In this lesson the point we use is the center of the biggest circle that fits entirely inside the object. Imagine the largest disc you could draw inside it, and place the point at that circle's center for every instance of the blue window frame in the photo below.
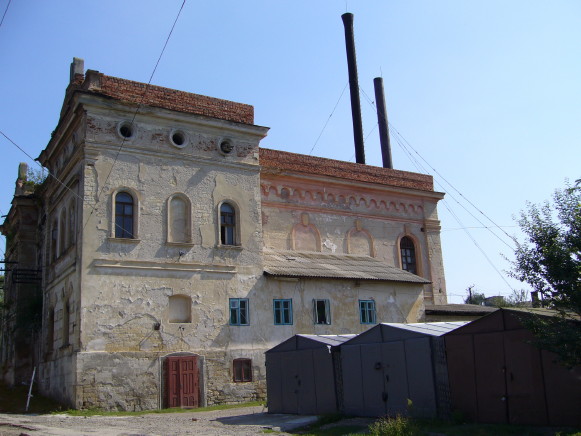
(239, 311)
(367, 311)
(283, 312)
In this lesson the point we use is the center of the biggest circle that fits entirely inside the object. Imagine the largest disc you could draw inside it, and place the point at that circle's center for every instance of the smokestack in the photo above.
(382, 121)
(354, 88)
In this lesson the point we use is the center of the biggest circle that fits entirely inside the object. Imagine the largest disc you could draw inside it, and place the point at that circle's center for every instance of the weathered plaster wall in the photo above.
(127, 283)
(340, 212)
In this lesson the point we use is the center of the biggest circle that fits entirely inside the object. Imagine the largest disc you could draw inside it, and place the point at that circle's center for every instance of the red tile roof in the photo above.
(166, 98)
(275, 160)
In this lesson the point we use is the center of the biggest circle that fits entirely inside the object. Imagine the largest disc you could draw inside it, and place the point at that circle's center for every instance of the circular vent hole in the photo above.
(126, 131)
(226, 147)
(178, 138)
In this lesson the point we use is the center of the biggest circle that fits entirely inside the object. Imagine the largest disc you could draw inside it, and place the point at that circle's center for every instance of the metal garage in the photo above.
(301, 374)
(497, 376)
(391, 363)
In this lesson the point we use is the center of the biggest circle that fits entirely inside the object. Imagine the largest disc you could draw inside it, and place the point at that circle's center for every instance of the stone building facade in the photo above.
(172, 250)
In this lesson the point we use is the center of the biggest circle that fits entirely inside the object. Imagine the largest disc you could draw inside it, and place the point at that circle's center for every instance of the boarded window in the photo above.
(239, 311)
(322, 311)
(408, 254)
(178, 220)
(242, 369)
(180, 308)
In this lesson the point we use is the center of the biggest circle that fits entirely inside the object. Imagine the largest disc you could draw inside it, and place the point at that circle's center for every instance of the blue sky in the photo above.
(487, 92)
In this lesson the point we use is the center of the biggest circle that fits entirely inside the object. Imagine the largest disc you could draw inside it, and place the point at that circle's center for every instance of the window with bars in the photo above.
(242, 370)
(367, 311)
(408, 255)
(239, 311)
(321, 311)
(283, 312)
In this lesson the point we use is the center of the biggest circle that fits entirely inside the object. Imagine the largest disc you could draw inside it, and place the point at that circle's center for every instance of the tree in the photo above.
(550, 262)
(474, 297)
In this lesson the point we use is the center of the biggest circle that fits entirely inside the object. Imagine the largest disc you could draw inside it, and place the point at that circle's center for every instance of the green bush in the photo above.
(398, 426)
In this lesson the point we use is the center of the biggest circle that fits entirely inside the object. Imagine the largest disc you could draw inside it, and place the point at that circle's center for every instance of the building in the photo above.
(167, 251)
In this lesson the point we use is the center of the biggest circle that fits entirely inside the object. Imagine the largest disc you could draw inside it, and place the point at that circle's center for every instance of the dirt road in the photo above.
(232, 422)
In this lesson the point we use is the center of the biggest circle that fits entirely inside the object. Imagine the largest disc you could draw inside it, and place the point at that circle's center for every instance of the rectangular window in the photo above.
(242, 369)
(367, 311)
(239, 311)
(321, 312)
(283, 312)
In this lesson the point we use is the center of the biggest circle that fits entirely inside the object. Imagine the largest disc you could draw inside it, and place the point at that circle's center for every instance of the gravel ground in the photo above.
(240, 422)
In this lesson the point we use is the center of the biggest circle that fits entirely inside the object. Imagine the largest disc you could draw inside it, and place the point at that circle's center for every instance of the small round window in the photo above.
(226, 146)
(178, 138)
(125, 130)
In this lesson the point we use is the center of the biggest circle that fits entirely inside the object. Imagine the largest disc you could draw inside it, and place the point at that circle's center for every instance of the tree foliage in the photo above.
(550, 262)
(474, 297)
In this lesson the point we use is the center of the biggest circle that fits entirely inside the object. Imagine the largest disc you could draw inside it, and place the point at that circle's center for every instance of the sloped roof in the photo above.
(458, 309)
(333, 266)
(329, 339)
(428, 328)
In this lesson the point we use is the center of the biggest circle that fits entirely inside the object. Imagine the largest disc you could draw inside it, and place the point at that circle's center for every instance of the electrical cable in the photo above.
(5, 11)
(135, 114)
(328, 119)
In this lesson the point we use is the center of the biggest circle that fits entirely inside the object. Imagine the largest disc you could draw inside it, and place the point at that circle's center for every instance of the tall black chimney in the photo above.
(382, 121)
(354, 88)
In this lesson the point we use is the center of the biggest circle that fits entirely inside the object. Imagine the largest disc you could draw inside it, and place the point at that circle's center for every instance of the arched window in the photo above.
(179, 219)
(180, 308)
(227, 224)
(50, 331)
(66, 322)
(62, 231)
(54, 239)
(72, 222)
(124, 215)
(408, 255)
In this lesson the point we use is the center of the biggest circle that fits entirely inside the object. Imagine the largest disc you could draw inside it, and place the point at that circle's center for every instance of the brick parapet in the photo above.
(276, 161)
(166, 98)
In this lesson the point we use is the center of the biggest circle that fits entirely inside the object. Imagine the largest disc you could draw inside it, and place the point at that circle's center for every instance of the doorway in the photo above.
(182, 382)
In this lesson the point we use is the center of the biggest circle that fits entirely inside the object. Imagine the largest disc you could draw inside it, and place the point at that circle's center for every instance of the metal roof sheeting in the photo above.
(333, 266)
(429, 328)
(329, 339)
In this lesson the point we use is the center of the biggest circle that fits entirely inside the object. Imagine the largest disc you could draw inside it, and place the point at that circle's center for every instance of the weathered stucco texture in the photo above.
(115, 307)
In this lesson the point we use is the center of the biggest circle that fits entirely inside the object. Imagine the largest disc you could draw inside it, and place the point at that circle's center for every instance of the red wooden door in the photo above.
(182, 385)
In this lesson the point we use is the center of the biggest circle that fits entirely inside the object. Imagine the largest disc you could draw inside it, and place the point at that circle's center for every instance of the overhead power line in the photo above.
(328, 119)
(5, 11)
(50, 174)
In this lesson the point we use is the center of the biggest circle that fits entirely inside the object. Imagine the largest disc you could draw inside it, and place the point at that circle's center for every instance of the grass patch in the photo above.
(100, 412)
(419, 427)
(13, 400)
